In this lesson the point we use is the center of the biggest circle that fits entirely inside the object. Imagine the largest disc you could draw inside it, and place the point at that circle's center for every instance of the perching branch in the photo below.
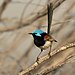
(47, 65)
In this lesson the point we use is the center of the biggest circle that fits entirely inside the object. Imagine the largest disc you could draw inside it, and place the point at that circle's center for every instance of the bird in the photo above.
(42, 40)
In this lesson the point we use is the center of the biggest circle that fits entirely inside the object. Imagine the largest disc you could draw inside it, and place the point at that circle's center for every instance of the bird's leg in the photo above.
(38, 56)
(49, 54)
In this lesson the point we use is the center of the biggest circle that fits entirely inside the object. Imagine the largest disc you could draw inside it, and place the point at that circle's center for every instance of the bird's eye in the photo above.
(35, 33)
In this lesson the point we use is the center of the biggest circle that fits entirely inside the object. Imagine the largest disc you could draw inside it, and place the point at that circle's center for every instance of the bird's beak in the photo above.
(30, 33)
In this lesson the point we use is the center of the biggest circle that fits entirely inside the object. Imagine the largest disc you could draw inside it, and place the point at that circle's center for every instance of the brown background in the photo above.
(15, 42)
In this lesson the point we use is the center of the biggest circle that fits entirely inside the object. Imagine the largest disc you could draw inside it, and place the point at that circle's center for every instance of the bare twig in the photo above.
(31, 20)
(37, 4)
(50, 63)
(25, 7)
(3, 6)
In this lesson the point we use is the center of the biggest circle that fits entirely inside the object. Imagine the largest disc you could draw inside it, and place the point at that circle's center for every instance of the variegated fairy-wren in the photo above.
(42, 40)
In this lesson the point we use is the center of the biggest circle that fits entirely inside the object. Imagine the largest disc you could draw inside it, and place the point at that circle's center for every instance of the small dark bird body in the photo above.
(39, 41)
(42, 39)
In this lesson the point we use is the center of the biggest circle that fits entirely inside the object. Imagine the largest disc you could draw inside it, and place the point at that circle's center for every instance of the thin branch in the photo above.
(3, 6)
(47, 64)
(31, 20)
(37, 4)
(25, 7)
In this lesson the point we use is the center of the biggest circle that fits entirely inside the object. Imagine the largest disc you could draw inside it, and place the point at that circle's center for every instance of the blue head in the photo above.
(37, 32)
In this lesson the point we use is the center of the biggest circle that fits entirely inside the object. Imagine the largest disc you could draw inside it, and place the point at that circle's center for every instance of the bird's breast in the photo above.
(46, 45)
(39, 43)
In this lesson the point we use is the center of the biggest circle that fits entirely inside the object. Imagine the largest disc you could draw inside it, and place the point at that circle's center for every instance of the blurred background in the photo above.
(20, 17)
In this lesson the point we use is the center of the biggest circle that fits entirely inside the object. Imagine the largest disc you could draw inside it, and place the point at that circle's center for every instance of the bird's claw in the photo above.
(37, 60)
(49, 55)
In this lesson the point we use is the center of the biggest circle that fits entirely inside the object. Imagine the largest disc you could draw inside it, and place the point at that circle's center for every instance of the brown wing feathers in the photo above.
(49, 38)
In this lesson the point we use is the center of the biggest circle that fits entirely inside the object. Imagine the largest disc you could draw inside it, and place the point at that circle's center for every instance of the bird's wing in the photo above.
(49, 38)
(46, 37)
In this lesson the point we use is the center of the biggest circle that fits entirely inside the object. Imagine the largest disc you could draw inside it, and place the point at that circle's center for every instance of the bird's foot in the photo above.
(49, 55)
(37, 60)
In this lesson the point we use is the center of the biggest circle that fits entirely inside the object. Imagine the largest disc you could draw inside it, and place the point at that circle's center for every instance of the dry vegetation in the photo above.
(17, 50)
